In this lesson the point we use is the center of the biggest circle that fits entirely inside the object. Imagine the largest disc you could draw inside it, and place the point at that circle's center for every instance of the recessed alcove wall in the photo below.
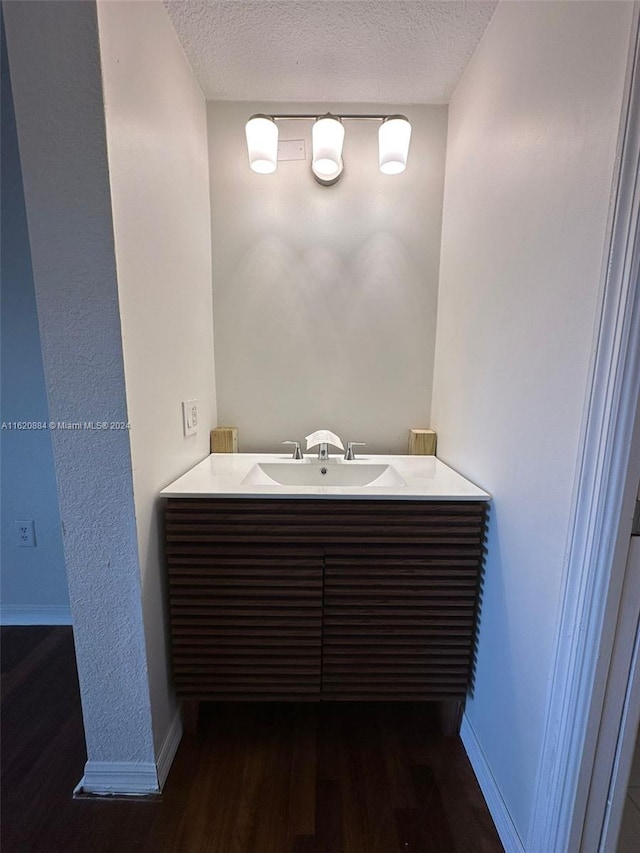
(325, 298)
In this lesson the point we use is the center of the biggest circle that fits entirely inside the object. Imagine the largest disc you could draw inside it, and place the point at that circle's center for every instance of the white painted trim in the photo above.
(585, 634)
(625, 722)
(169, 748)
(505, 826)
(125, 777)
(35, 614)
(118, 777)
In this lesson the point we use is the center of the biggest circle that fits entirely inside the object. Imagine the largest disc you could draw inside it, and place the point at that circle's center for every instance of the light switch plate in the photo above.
(190, 417)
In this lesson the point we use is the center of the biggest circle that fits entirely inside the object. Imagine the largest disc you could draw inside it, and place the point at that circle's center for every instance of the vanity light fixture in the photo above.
(393, 144)
(327, 138)
(262, 142)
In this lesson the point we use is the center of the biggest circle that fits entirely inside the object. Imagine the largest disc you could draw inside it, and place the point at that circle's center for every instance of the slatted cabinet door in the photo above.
(246, 622)
(398, 622)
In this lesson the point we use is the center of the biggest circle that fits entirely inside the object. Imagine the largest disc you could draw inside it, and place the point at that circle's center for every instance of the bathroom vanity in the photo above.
(296, 592)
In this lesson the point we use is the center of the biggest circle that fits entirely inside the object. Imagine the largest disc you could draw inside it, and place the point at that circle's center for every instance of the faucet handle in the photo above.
(350, 455)
(297, 453)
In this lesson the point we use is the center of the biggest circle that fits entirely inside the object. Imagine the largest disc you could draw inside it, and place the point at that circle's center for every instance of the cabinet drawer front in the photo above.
(246, 623)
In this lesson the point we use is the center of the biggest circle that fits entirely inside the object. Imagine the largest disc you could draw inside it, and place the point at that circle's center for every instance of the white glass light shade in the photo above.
(262, 144)
(327, 139)
(393, 144)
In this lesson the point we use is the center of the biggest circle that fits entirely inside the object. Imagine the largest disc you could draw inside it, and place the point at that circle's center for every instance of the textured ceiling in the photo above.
(376, 51)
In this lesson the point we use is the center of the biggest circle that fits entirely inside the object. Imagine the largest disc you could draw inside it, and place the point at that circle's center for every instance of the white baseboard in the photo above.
(119, 777)
(35, 614)
(169, 748)
(132, 778)
(505, 827)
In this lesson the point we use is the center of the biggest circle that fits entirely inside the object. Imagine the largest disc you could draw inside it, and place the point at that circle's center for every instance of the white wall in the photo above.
(533, 129)
(33, 580)
(55, 74)
(158, 165)
(325, 298)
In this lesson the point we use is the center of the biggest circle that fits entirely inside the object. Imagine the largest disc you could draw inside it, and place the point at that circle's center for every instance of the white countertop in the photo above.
(222, 475)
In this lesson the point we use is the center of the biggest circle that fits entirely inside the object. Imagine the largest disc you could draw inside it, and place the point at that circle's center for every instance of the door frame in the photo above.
(572, 757)
(621, 716)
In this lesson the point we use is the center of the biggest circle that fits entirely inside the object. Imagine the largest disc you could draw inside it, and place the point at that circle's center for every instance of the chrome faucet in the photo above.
(321, 439)
(297, 453)
(349, 454)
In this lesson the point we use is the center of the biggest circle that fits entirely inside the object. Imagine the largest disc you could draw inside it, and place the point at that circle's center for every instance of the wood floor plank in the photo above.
(370, 792)
(430, 810)
(329, 817)
(18, 642)
(398, 767)
(329, 823)
(306, 844)
(412, 832)
(302, 782)
(223, 770)
(271, 817)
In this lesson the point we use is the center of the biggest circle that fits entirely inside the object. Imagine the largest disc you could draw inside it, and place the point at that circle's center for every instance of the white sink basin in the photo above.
(329, 473)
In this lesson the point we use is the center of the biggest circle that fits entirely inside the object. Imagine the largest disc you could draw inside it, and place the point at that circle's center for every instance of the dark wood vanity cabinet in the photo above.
(315, 599)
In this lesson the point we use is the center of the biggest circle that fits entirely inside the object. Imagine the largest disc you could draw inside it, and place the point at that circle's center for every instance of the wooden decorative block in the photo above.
(422, 442)
(224, 440)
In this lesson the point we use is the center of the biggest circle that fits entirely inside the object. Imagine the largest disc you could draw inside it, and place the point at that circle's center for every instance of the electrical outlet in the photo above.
(190, 417)
(25, 534)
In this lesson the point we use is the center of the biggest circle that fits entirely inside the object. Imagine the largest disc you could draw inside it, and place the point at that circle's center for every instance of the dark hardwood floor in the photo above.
(332, 778)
